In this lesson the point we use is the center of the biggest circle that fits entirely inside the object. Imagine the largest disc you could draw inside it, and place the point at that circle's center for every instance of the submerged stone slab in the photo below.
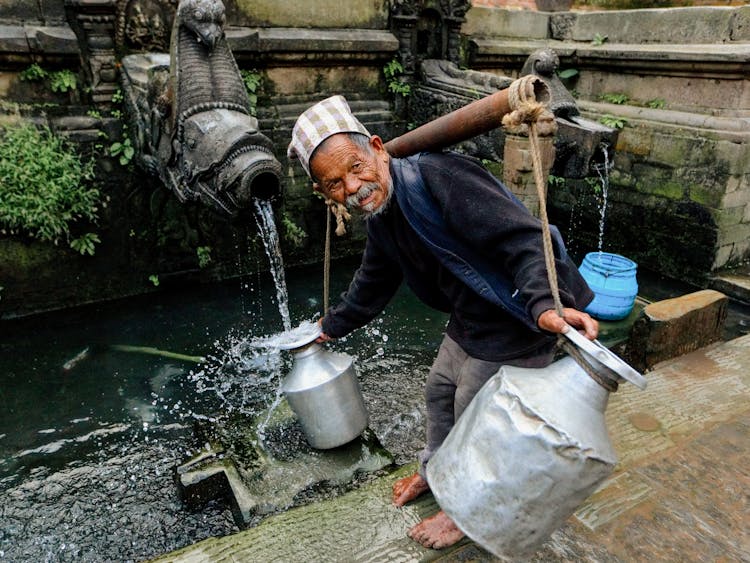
(674, 327)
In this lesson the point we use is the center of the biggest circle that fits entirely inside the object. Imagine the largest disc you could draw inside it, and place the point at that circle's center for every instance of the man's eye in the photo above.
(356, 167)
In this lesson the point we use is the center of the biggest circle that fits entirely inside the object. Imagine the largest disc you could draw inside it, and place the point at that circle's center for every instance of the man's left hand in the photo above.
(552, 322)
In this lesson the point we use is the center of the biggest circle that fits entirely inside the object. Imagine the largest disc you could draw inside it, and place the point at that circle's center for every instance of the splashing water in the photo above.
(267, 229)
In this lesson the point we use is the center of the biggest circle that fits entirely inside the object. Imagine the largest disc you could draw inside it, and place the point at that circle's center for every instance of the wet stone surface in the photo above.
(114, 505)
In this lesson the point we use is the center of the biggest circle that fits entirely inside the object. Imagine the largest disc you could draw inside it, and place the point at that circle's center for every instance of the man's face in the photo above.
(349, 174)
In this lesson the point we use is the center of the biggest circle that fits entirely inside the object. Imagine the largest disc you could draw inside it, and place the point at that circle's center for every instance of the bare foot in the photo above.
(436, 532)
(409, 488)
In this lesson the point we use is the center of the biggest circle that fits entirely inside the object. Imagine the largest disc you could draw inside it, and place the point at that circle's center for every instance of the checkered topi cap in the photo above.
(319, 122)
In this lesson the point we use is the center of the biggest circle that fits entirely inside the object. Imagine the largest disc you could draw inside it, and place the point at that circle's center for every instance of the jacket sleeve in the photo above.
(477, 210)
(374, 284)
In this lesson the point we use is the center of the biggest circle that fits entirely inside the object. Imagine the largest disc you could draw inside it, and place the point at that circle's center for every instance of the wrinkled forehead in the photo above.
(339, 149)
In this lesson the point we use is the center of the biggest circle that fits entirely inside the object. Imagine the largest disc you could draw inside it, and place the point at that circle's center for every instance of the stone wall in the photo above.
(679, 196)
(678, 201)
(146, 234)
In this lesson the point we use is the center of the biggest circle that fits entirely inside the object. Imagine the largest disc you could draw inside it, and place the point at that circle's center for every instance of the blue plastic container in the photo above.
(612, 279)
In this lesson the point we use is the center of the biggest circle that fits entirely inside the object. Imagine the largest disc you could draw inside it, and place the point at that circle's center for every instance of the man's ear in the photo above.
(378, 146)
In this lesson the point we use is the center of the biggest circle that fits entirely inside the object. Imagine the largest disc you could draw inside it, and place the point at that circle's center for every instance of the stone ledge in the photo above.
(663, 26)
(731, 56)
(730, 128)
(32, 40)
(734, 283)
(321, 44)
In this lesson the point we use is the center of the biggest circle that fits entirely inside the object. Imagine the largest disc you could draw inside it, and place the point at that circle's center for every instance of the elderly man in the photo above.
(464, 244)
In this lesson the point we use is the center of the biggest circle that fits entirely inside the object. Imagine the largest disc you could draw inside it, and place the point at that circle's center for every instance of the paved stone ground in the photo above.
(680, 491)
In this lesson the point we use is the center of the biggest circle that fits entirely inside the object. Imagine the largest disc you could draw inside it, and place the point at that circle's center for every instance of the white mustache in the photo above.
(364, 191)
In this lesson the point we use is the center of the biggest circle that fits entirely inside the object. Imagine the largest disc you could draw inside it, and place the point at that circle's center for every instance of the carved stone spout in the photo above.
(581, 144)
(192, 117)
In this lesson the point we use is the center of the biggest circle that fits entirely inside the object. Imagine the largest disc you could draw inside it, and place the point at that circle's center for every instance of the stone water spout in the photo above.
(580, 142)
(192, 118)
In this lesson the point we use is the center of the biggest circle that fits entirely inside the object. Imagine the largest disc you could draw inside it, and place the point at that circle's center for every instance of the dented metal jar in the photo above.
(529, 449)
(323, 391)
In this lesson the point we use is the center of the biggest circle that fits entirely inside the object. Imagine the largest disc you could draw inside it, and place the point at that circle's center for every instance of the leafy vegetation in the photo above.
(85, 244)
(63, 81)
(154, 279)
(567, 73)
(122, 150)
(204, 256)
(599, 39)
(656, 103)
(293, 232)
(58, 81)
(615, 98)
(594, 184)
(45, 188)
(394, 77)
(34, 73)
(613, 121)
(252, 80)
(556, 181)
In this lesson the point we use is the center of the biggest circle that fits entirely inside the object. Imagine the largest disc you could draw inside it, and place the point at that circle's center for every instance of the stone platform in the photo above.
(679, 493)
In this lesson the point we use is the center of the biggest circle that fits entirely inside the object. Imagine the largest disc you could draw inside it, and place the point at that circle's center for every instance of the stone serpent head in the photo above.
(204, 18)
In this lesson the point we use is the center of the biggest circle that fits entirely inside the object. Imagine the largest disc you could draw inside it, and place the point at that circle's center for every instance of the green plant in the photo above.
(656, 103)
(85, 243)
(556, 181)
(252, 80)
(45, 187)
(154, 279)
(293, 232)
(95, 114)
(594, 184)
(567, 73)
(62, 81)
(124, 150)
(613, 121)
(117, 97)
(204, 256)
(599, 39)
(615, 98)
(393, 72)
(33, 73)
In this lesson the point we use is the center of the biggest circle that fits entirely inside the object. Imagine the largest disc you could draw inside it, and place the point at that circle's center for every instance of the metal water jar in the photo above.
(527, 451)
(323, 391)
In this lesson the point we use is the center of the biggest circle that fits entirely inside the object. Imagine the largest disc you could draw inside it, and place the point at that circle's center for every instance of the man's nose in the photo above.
(351, 184)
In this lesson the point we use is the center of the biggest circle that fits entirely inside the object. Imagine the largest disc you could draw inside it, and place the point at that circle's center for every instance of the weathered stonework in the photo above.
(673, 327)
(678, 197)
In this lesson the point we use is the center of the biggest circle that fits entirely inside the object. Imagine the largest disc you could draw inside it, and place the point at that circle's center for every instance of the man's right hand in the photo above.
(323, 336)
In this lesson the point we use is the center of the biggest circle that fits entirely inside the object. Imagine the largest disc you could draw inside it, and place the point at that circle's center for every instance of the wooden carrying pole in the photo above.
(476, 118)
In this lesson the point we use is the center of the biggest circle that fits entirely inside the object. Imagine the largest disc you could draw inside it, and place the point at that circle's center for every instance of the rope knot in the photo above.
(342, 215)
(526, 111)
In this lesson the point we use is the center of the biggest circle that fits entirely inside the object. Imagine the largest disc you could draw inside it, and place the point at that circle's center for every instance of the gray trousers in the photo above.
(454, 379)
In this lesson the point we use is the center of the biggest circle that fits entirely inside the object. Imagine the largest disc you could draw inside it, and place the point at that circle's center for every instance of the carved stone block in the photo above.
(674, 327)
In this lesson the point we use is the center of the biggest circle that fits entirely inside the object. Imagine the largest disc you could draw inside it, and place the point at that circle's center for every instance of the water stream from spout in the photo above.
(267, 228)
(602, 170)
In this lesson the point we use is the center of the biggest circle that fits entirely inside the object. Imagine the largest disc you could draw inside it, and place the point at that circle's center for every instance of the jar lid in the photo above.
(605, 356)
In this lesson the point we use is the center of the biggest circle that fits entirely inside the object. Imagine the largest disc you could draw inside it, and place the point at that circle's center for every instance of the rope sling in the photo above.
(533, 119)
